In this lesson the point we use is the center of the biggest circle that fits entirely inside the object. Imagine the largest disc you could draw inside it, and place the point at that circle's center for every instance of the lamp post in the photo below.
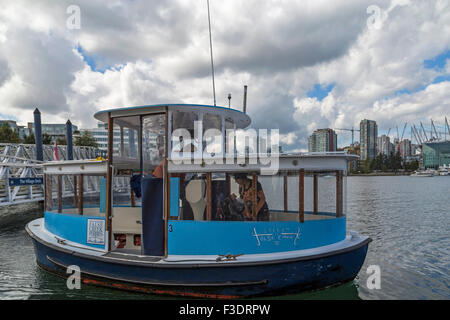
(229, 100)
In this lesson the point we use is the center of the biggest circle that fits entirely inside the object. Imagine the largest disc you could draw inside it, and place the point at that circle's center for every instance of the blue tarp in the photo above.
(152, 216)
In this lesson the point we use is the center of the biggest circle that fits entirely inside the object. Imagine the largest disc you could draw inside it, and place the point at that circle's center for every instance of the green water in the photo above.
(408, 219)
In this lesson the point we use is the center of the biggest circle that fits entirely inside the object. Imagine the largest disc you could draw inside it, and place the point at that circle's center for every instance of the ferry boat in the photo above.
(422, 173)
(181, 231)
(444, 170)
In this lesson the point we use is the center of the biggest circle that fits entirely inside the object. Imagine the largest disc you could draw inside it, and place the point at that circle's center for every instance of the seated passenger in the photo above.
(246, 194)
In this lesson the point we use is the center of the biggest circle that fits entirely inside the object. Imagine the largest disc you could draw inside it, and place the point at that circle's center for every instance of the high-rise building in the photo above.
(405, 148)
(384, 145)
(322, 140)
(368, 139)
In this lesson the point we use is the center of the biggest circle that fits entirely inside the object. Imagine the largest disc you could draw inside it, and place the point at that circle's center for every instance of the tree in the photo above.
(29, 139)
(61, 141)
(366, 166)
(8, 135)
(86, 139)
(46, 138)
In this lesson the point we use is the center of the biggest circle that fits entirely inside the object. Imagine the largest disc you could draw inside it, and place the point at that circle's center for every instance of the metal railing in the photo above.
(19, 161)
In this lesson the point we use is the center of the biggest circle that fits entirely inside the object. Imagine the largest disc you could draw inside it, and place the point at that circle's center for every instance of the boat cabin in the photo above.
(173, 181)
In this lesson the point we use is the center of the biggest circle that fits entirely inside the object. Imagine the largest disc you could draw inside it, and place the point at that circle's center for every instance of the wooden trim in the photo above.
(255, 198)
(80, 194)
(133, 200)
(50, 193)
(301, 196)
(109, 176)
(75, 192)
(59, 193)
(208, 196)
(339, 194)
(316, 193)
(166, 182)
(285, 192)
(45, 191)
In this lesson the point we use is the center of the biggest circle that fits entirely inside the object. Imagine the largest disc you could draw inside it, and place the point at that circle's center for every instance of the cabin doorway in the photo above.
(153, 155)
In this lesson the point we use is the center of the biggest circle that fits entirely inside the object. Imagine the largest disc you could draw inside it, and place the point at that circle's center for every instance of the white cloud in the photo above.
(158, 51)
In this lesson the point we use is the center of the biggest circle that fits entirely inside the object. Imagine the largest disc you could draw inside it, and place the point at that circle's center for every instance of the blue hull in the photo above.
(209, 281)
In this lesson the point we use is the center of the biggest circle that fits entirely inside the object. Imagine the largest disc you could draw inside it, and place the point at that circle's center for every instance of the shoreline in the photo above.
(380, 174)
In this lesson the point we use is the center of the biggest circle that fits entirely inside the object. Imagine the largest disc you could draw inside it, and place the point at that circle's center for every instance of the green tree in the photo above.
(46, 138)
(366, 166)
(61, 141)
(8, 135)
(86, 139)
(29, 139)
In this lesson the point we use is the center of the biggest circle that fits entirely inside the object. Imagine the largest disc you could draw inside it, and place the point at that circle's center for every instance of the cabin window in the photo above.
(208, 196)
(212, 134)
(153, 141)
(229, 145)
(80, 194)
(126, 139)
(182, 134)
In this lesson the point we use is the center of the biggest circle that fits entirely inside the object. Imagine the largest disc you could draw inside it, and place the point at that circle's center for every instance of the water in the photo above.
(407, 218)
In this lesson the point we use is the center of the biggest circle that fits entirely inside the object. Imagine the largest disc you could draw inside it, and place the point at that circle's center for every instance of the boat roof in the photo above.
(241, 119)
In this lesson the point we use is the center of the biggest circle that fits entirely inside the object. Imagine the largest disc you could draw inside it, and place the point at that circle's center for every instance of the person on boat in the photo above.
(159, 170)
(246, 194)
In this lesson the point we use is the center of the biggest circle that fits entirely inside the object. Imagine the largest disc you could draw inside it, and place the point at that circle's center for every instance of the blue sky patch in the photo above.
(92, 61)
(320, 91)
(442, 78)
(437, 62)
(7, 117)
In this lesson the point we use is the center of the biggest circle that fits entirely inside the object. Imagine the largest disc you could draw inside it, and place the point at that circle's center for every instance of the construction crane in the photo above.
(353, 133)
(416, 134)
(403, 132)
(432, 125)
(424, 131)
(448, 128)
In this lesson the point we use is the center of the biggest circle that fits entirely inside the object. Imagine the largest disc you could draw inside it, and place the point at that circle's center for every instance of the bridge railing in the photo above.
(21, 175)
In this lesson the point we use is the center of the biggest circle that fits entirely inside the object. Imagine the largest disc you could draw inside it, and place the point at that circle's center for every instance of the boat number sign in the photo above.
(17, 182)
(95, 231)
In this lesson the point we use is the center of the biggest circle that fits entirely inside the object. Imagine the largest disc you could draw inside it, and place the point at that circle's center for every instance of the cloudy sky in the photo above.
(308, 64)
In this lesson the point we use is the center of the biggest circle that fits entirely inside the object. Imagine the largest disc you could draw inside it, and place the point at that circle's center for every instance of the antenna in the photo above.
(212, 61)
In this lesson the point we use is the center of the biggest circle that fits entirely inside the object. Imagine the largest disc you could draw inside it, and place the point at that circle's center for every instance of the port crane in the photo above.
(353, 132)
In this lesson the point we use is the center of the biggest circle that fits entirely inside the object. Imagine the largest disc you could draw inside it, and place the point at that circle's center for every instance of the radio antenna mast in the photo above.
(212, 61)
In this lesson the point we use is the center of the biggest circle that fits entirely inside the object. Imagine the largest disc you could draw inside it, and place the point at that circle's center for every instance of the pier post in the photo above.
(69, 139)
(38, 135)
(301, 196)
(316, 193)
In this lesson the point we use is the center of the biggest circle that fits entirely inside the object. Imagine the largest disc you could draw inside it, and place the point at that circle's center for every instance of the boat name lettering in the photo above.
(276, 235)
